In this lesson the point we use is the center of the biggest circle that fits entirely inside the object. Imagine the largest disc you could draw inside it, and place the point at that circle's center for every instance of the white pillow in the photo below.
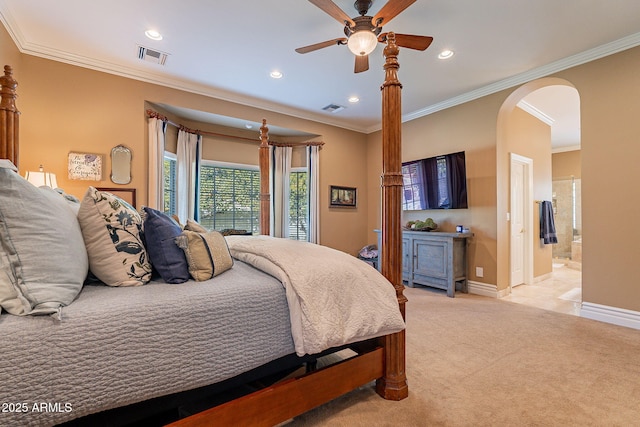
(112, 234)
(43, 261)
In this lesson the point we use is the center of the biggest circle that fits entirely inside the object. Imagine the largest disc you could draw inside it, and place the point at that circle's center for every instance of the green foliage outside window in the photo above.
(298, 206)
(229, 198)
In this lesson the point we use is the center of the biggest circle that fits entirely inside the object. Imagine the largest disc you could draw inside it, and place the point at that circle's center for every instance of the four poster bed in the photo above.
(126, 351)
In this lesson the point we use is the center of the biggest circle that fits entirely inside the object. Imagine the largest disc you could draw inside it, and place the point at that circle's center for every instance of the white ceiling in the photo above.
(227, 49)
(559, 107)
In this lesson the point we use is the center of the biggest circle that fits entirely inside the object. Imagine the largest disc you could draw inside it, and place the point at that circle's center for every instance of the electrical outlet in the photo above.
(479, 272)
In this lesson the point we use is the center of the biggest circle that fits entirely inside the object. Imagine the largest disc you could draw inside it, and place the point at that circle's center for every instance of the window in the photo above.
(170, 183)
(298, 204)
(229, 197)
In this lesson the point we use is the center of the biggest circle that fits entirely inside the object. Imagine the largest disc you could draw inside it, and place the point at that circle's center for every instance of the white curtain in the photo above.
(155, 197)
(313, 187)
(280, 191)
(188, 159)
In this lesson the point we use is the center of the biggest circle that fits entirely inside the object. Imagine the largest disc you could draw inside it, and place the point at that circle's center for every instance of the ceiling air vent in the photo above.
(333, 108)
(151, 55)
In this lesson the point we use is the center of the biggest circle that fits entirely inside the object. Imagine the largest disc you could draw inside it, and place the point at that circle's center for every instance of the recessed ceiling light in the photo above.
(276, 74)
(153, 35)
(445, 54)
(248, 125)
(354, 99)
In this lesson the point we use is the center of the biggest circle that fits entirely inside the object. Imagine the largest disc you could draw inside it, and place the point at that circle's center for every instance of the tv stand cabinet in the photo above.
(434, 259)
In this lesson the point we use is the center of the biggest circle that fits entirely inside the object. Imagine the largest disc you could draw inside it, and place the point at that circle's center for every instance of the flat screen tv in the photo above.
(435, 183)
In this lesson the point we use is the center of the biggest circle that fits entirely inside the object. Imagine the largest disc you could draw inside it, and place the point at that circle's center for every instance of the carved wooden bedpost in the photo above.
(265, 197)
(9, 117)
(393, 385)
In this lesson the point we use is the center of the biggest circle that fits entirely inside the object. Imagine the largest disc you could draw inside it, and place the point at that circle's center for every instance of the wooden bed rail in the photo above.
(9, 117)
(292, 397)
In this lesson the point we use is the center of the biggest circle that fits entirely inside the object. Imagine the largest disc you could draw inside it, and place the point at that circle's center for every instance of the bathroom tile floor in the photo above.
(562, 292)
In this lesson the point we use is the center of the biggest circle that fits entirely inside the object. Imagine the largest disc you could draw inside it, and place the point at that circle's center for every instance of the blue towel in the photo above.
(547, 225)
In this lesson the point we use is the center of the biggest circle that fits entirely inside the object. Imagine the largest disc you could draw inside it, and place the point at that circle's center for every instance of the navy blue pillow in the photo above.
(160, 232)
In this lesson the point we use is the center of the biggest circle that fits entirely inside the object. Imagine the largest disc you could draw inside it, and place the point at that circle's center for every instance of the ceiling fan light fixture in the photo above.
(362, 42)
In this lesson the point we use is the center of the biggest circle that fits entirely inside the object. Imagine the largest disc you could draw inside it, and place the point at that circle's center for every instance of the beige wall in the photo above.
(471, 128)
(9, 52)
(67, 108)
(529, 137)
(566, 164)
(609, 90)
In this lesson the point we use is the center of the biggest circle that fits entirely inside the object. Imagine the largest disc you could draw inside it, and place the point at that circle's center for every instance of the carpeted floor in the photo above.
(478, 361)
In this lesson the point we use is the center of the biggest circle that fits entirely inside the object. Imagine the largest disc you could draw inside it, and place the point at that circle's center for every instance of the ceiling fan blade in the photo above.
(311, 48)
(334, 11)
(362, 63)
(409, 40)
(390, 11)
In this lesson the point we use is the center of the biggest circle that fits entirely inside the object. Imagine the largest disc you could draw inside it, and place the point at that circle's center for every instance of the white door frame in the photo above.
(528, 217)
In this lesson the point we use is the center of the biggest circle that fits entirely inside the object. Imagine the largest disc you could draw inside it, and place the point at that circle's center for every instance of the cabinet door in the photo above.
(431, 258)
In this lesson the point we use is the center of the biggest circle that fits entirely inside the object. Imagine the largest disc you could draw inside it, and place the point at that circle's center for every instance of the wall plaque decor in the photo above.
(85, 166)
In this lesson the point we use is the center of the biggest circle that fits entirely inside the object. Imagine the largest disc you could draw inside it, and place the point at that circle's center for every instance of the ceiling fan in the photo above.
(364, 32)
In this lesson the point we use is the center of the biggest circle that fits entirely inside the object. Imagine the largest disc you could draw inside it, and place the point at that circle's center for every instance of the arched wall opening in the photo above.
(522, 143)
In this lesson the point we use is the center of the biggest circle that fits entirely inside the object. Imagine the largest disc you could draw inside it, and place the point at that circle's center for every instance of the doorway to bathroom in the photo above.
(567, 207)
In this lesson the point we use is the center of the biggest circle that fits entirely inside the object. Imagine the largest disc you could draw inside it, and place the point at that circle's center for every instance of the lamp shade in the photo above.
(41, 178)
(362, 42)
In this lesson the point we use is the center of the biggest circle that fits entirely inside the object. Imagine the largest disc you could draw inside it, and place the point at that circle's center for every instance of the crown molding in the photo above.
(149, 77)
(616, 46)
(524, 105)
(179, 84)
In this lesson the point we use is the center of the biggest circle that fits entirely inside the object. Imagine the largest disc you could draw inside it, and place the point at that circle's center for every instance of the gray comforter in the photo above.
(117, 346)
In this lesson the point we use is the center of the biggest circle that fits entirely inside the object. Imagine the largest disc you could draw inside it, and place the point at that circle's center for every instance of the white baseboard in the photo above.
(486, 289)
(588, 310)
(608, 314)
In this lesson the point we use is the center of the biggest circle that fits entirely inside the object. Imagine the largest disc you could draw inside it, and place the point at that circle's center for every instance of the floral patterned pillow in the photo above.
(111, 229)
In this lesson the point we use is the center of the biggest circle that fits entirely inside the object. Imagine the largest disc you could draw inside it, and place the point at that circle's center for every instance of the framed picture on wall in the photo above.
(342, 197)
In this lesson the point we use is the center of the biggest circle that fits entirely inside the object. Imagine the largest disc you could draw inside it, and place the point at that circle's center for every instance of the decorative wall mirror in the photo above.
(120, 165)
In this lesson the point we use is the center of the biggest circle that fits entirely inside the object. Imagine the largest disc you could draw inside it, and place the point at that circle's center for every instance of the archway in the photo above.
(532, 142)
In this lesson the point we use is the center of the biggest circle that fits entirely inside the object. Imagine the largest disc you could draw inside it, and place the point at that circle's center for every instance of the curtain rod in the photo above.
(155, 114)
